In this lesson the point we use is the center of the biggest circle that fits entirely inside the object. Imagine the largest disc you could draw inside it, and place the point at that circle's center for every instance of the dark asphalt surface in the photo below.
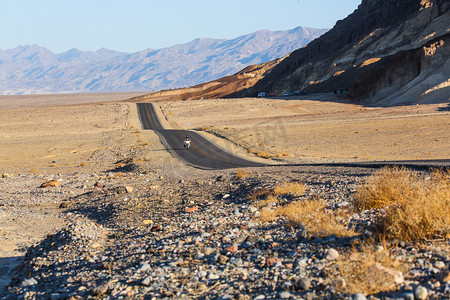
(206, 155)
(202, 154)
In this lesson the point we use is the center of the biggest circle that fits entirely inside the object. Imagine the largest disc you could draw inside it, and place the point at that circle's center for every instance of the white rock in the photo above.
(144, 267)
(285, 295)
(421, 292)
(29, 282)
(331, 254)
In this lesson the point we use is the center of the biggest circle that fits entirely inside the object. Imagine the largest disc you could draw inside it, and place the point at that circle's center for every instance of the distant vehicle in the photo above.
(262, 94)
(287, 94)
(271, 95)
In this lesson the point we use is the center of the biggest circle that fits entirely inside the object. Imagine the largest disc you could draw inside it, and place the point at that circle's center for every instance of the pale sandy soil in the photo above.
(27, 101)
(318, 130)
(52, 139)
(62, 136)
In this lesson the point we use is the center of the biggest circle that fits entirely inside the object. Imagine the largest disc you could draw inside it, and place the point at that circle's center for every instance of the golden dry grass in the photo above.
(313, 214)
(293, 188)
(316, 218)
(368, 270)
(415, 207)
(242, 173)
(263, 154)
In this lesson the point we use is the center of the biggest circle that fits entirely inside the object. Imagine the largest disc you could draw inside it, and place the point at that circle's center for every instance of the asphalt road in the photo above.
(206, 155)
(202, 154)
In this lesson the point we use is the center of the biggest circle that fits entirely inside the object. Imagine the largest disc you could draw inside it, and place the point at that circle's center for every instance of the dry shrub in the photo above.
(315, 217)
(267, 215)
(258, 194)
(385, 187)
(250, 151)
(262, 154)
(293, 188)
(286, 154)
(415, 207)
(279, 155)
(368, 270)
(242, 173)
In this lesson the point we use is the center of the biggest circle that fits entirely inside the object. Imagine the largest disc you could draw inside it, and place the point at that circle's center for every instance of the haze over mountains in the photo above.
(32, 69)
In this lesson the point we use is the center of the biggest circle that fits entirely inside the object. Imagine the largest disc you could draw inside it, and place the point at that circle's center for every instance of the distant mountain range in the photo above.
(389, 52)
(32, 69)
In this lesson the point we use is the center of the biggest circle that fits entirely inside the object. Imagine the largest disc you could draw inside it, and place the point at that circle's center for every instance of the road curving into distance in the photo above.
(202, 154)
(206, 155)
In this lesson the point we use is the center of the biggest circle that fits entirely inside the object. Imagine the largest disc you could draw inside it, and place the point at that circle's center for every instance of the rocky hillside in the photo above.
(385, 53)
(33, 69)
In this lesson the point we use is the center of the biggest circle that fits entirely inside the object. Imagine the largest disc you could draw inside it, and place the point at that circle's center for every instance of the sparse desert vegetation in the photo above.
(414, 207)
(326, 231)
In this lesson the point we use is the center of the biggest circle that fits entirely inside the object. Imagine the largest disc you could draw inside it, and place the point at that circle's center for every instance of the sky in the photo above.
(135, 25)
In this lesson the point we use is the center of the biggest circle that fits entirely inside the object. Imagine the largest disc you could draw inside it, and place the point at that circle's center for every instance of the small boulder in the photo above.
(190, 209)
(421, 292)
(50, 183)
(302, 284)
(331, 254)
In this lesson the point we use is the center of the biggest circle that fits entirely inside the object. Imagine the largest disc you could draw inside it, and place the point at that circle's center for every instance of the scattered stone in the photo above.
(220, 178)
(147, 281)
(29, 282)
(273, 260)
(191, 209)
(101, 289)
(63, 205)
(302, 284)
(331, 254)
(223, 259)
(98, 185)
(439, 264)
(144, 267)
(285, 295)
(407, 296)
(50, 183)
(233, 248)
(156, 228)
(358, 296)
(421, 292)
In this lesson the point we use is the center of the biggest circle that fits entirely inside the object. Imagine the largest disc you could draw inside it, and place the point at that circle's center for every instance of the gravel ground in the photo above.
(150, 233)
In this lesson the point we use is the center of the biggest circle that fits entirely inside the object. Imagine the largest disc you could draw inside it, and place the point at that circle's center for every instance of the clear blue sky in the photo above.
(134, 25)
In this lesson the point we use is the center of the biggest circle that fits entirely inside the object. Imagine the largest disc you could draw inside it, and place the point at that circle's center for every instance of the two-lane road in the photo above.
(206, 155)
(203, 153)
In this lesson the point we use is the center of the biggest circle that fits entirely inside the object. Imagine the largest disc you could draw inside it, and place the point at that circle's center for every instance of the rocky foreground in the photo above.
(150, 234)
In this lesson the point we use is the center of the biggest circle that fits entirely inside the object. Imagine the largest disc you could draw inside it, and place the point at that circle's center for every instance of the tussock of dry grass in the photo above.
(258, 194)
(315, 217)
(415, 207)
(368, 271)
(293, 188)
(313, 214)
(242, 173)
(263, 154)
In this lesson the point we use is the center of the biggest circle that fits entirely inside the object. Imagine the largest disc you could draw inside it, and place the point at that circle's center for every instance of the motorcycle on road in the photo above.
(187, 145)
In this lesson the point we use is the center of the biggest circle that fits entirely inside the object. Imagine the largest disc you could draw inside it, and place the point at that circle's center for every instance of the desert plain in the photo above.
(84, 139)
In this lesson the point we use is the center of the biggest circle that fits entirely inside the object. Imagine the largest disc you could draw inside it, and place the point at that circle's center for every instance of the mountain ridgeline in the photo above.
(33, 69)
(387, 52)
